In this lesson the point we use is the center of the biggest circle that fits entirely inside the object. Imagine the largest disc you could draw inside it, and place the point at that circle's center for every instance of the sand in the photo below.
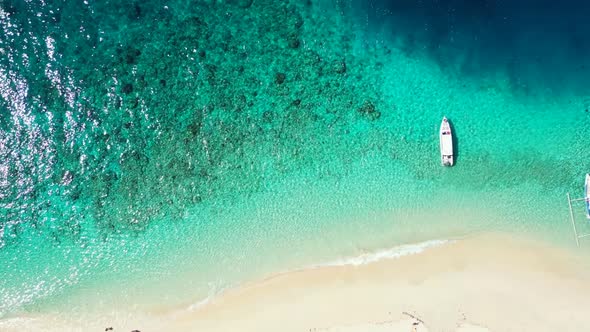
(491, 282)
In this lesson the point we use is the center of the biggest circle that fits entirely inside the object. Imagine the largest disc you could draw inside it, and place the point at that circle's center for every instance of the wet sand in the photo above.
(489, 282)
(492, 282)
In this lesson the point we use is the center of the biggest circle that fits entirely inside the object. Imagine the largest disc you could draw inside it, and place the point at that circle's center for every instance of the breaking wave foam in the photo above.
(390, 253)
(368, 258)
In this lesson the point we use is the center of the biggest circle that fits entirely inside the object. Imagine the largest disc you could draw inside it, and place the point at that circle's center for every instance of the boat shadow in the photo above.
(455, 137)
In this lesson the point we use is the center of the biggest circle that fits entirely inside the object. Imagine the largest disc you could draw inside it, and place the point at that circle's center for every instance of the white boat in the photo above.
(446, 143)
(587, 195)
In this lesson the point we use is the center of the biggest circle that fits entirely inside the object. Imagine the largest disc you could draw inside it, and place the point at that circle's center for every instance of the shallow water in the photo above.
(184, 147)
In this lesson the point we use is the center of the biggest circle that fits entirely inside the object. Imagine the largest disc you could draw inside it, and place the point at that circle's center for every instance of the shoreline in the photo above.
(484, 282)
(483, 286)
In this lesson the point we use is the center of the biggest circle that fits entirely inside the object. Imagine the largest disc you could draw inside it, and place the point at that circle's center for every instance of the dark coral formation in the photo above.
(339, 67)
(369, 111)
(280, 78)
(243, 3)
(175, 105)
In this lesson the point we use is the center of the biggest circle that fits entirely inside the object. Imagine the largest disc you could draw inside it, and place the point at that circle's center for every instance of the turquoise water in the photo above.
(154, 153)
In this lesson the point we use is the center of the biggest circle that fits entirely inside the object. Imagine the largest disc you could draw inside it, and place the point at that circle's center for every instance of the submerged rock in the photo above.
(294, 41)
(127, 88)
(339, 67)
(243, 3)
(280, 78)
(369, 111)
(131, 55)
(194, 128)
(267, 116)
(298, 21)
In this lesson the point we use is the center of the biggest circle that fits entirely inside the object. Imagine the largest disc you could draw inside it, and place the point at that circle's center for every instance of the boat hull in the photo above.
(447, 157)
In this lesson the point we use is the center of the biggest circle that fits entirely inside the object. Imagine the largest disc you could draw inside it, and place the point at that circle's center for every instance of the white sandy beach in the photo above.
(490, 282)
(486, 283)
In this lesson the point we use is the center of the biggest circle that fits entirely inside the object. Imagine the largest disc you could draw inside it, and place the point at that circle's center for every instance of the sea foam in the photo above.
(389, 253)
(363, 259)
